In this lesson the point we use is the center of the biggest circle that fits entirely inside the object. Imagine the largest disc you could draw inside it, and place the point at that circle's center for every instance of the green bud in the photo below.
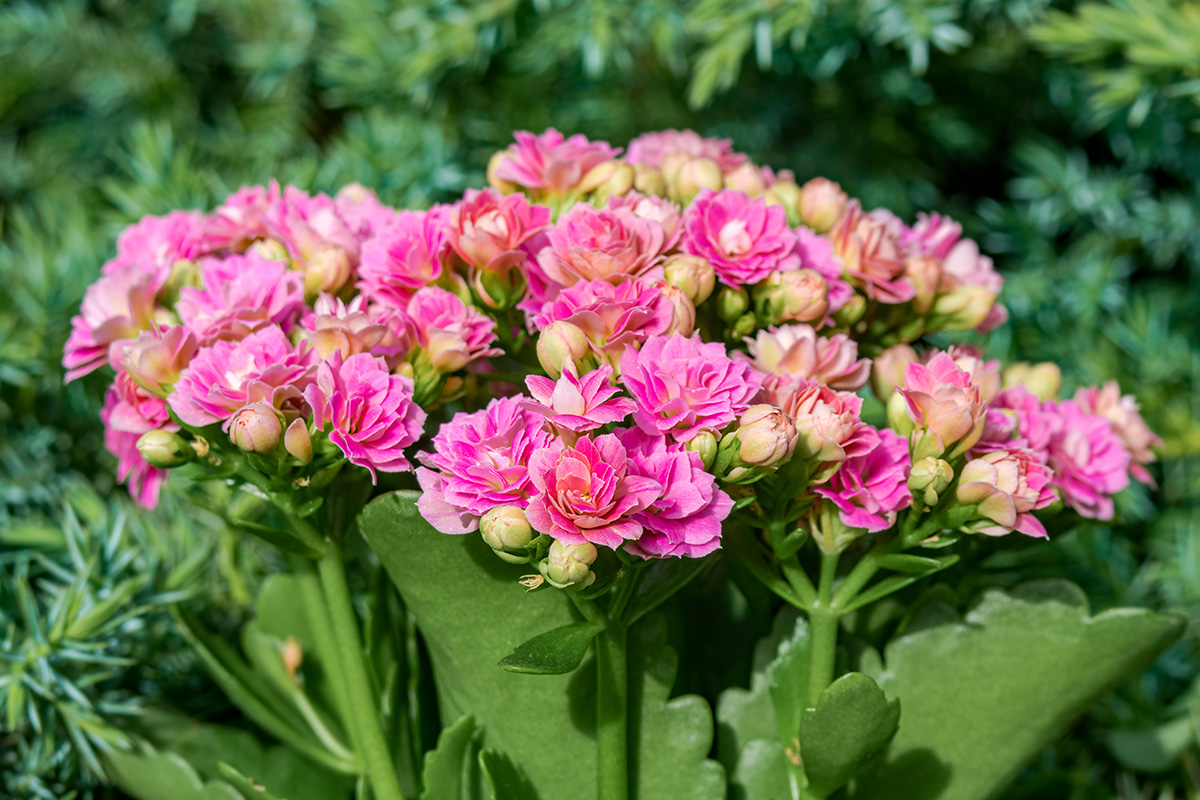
(505, 528)
(567, 565)
(693, 275)
(499, 291)
(732, 303)
(704, 444)
(744, 325)
(164, 449)
(897, 414)
(560, 342)
(929, 478)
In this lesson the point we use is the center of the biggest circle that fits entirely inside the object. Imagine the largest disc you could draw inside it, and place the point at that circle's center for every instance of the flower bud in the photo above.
(498, 158)
(183, 273)
(1043, 380)
(767, 436)
(800, 295)
(744, 325)
(649, 180)
(703, 444)
(929, 478)
(560, 342)
(963, 308)
(897, 415)
(271, 250)
(747, 179)
(297, 442)
(164, 449)
(696, 174)
(328, 270)
(607, 179)
(566, 565)
(683, 318)
(499, 291)
(821, 203)
(292, 656)
(887, 370)
(695, 276)
(787, 195)
(732, 303)
(256, 428)
(852, 312)
(505, 528)
(924, 273)
(671, 165)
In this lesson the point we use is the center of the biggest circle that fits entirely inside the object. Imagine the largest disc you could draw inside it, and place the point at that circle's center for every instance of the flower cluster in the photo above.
(702, 326)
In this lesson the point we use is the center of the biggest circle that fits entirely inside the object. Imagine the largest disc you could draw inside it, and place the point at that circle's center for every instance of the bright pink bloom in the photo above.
(1088, 457)
(650, 149)
(242, 218)
(117, 307)
(404, 257)
(615, 318)
(306, 223)
(226, 376)
(551, 162)
(610, 245)
(744, 239)
(682, 384)
(965, 267)
(933, 235)
(453, 333)
(360, 209)
(1026, 420)
(869, 245)
(869, 489)
(1007, 486)
(816, 253)
(654, 209)
(829, 423)
(685, 519)
(1122, 411)
(240, 294)
(370, 412)
(579, 404)
(480, 461)
(488, 229)
(797, 352)
(587, 493)
(129, 411)
(154, 244)
(946, 406)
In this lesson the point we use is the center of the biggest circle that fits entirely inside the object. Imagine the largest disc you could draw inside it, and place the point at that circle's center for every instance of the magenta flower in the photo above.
(744, 239)
(1007, 486)
(451, 332)
(934, 235)
(685, 519)
(869, 245)
(1018, 418)
(154, 244)
(129, 411)
(480, 461)
(946, 406)
(816, 253)
(682, 384)
(117, 307)
(226, 376)
(653, 209)
(1088, 457)
(586, 493)
(359, 208)
(550, 162)
(612, 245)
(240, 294)
(370, 412)
(829, 423)
(306, 224)
(242, 218)
(579, 404)
(797, 352)
(614, 318)
(404, 257)
(1122, 411)
(869, 489)
(488, 229)
(651, 149)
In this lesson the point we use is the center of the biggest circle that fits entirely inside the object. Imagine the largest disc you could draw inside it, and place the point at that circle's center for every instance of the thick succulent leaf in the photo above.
(982, 696)
(851, 724)
(669, 740)
(162, 776)
(473, 612)
(448, 767)
(504, 779)
(555, 652)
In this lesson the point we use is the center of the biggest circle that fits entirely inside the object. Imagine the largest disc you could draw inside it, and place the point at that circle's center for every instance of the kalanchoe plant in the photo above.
(610, 371)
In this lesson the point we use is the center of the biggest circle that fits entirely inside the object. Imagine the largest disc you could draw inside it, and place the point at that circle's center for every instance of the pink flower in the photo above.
(869, 489)
(685, 519)
(869, 246)
(1007, 486)
(586, 493)
(129, 411)
(829, 423)
(614, 318)
(682, 384)
(651, 149)
(360, 209)
(155, 359)
(550, 162)
(1088, 457)
(480, 461)
(406, 256)
(579, 404)
(1020, 419)
(117, 307)
(744, 239)
(487, 229)
(797, 352)
(451, 332)
(610, 245)
(154, 244)
(816, 253)
(239, 295)
(933, 235)
(242, 218)
(226, 376)
(653, 209)
(1122, 411)
(946, 406)
(305, 224)
(965, 269)
(370, 412)
(359, 328)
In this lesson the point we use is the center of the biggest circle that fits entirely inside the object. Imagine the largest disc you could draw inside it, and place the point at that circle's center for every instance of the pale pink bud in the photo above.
(496, 182)
(608, 178)
(649, 180)
(697, 174)
(271, 250)
(747, 179)
(767, 436)
(297, 442)
(1006, 486)
(256, 428)
(787, 195)
(924, 273)
(887, 370)
(800, 295)
(683, 316)
(821, 203)
(1043, 380)
(963, 308)
(506, 529)
(560, 342)
(695, 276)
(328, 270)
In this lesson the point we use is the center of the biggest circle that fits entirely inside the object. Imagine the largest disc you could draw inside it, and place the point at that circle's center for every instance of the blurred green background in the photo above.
(1065, 137)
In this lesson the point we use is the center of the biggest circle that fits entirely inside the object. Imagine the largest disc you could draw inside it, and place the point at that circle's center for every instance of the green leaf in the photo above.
(851, 724)
(1153, 750)
(905, 562)
(791, 544)
(555, 652)
(281, 539)
(472, 611)
(162, 776)
(504, 779)
(445, 773)
(895, 583)
(659, 582)
(249, 787)
(981, 697)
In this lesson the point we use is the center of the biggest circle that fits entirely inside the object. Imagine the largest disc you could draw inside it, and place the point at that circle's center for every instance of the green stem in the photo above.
(612, 712)
(823, 628)
(363, 710)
